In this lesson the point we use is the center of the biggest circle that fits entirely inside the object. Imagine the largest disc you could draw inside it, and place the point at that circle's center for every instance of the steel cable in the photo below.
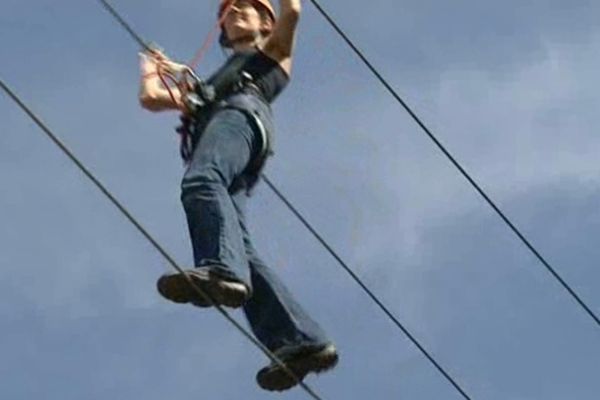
(148, 236)
(344, 265)
(458, 166)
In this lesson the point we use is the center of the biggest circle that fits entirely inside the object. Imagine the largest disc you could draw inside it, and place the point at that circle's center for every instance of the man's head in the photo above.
(244, 19)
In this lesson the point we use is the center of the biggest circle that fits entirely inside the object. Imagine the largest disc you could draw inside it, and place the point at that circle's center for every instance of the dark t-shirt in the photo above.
(267, 75)
(266, 80)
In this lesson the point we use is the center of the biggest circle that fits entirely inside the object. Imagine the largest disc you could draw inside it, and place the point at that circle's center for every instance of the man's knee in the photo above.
(202, 179)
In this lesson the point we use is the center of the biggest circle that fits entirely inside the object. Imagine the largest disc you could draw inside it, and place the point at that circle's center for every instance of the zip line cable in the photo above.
(148, 236)
(344, 265)
(125, 25)
(453, 160)
(367, 290)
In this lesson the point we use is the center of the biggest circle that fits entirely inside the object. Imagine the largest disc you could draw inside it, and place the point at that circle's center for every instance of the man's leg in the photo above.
(222, 154)
(280, 323)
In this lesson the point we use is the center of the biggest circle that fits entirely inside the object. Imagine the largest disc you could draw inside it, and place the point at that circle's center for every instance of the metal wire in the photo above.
(366, 289)
(344, 265)
(149, 237)
(458, 166)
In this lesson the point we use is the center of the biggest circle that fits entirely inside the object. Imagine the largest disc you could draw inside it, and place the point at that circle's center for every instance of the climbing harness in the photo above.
(207, 98)
(199, 99)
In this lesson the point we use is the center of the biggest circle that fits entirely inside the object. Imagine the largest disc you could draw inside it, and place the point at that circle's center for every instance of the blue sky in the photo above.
(510, 87)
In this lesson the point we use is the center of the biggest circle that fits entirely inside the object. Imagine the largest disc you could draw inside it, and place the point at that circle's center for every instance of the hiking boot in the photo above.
(175, 287)
(275, 378)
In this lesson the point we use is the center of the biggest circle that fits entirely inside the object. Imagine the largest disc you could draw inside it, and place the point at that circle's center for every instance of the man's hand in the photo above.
(165, 63)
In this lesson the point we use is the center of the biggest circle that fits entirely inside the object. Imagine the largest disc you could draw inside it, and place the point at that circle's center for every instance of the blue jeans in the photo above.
(214, 193)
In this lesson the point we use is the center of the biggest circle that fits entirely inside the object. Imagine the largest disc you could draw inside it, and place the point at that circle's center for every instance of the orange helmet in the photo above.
(266, 4)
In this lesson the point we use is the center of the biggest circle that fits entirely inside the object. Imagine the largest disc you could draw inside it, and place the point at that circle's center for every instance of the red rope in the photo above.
(209, 39)
(182, 84)
(163, 78)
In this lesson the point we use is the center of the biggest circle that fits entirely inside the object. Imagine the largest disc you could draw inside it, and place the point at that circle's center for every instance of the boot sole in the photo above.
(176, 288)
(275, 378)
